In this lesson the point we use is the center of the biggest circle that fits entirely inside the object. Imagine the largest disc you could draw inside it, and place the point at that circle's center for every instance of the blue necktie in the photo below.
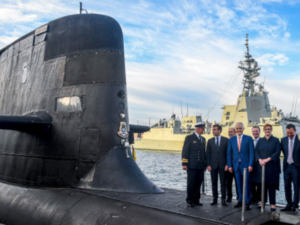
(217, 144)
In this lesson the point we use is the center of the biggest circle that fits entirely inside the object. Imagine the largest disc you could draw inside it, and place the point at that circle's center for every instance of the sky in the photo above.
(186, 51)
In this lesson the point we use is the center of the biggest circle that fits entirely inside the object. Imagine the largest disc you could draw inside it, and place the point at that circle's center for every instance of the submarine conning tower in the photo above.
(64, 108)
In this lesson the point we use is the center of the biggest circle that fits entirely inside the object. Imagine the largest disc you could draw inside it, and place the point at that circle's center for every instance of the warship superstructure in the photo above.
(253, 108)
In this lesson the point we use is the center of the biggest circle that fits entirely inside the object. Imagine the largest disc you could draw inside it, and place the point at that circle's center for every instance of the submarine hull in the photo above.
(23, 205)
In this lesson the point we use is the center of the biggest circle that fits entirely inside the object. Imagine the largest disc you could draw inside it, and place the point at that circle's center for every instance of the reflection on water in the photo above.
(164, 169)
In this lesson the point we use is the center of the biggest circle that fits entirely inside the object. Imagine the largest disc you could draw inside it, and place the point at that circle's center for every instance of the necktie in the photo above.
(255, 142)
(239, 143)
(290, 157)
(217, 144)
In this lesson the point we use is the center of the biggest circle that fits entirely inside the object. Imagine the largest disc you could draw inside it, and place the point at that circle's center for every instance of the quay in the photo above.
(173, 203)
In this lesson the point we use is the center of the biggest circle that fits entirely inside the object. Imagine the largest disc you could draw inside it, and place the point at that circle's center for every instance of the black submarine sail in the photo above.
(64, 123)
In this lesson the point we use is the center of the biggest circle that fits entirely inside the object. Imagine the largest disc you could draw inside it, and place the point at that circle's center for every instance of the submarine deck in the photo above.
(173, 201)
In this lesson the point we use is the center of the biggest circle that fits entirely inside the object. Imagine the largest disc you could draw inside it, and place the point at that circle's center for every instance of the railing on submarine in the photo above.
(206, 189)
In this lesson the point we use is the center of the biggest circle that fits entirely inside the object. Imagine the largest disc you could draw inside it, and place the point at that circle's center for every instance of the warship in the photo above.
(252, 109)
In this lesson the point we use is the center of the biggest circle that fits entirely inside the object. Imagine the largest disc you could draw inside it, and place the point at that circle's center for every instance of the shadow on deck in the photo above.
(173, 202)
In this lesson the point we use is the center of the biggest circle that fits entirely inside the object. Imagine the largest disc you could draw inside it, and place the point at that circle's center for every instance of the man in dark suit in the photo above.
(240, 155)
(255, 187)
(194, 162)
(231, 176)
(217, 162)
(290, 147)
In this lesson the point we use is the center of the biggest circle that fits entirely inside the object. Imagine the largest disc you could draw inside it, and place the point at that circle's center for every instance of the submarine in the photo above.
(65, 132)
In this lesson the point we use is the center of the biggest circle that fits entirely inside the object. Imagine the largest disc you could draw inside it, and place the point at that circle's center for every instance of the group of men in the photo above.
(227, 158)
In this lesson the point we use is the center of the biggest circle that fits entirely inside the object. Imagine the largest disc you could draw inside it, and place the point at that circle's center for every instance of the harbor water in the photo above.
(165, 170)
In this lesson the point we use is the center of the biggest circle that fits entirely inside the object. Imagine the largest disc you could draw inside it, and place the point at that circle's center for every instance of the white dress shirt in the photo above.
(291, 149)
(255, 140)
(219, 137)
(198, 136)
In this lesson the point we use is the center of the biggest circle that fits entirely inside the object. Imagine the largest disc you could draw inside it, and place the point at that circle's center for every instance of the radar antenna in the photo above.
(250, 68)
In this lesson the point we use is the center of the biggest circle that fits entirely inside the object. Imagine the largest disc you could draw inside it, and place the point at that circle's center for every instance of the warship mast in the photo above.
(250, 68)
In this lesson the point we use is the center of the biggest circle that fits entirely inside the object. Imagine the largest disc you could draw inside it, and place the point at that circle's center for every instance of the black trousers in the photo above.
(290, 176)
(271, 189)
(194, 182)
(215, 173)
(256, 192)
(230, 177)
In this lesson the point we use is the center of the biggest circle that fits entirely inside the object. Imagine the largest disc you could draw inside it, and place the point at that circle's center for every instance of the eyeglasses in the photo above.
(267, 129)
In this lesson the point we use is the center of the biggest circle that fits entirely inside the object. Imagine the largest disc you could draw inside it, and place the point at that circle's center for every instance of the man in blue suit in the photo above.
(241, 155)
(290, 147)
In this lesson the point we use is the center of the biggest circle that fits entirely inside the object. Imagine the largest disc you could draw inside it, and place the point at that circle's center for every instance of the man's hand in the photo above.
(250, 169)
(184, 168)
(230, 170)
(209, 168)
(226, 168)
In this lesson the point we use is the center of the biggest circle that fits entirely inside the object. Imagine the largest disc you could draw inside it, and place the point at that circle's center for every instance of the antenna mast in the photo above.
(187, 108)
(81, 9)
(181, 109)
(295, 105)
(250, 68)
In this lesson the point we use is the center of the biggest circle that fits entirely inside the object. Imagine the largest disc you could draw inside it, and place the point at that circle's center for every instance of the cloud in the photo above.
(273, 59)
(270, 1)
(287, 34)
(11, 16)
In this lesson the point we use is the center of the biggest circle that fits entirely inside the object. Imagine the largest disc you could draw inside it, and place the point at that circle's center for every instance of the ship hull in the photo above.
(162, 139)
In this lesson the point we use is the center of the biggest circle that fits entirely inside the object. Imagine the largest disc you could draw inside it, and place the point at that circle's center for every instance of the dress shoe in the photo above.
(248, 207)
(259, 206)
(214, 202)
(224, 203)
(228, 200)
(238, 205)
(198, 204)
(285, 209)
(190, 205)
(295, 210)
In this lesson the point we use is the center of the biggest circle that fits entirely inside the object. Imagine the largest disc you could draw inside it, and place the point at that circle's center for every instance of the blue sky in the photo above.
(186, 50)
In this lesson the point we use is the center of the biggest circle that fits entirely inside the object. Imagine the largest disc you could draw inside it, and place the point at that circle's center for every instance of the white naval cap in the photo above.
(200, 124)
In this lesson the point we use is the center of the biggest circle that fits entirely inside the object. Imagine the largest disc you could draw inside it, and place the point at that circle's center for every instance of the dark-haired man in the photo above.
(194, 162)
(290, 148)
(217, 162)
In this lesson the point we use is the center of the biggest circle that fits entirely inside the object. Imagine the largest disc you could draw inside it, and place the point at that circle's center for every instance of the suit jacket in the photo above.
(193, 152)
(216, 157)
(246, 154)
(296, 151)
